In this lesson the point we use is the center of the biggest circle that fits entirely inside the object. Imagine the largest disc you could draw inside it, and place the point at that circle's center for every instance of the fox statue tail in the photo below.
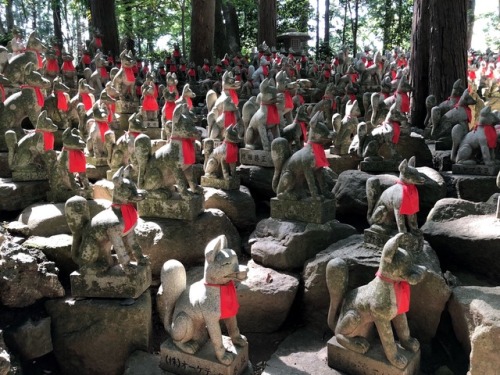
(77, 215)
(373, 191)
(280, 152)
(11, 142)
(337, 278)
(173, 283)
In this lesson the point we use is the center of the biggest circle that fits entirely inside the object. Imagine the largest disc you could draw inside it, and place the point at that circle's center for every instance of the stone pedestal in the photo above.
(16, 196)
(478, 170)
(204, 361)
(29, 175)
(176, 208)
(112, 283)
(409, 242)
(97, 161)
(95, 173)
(381, 166)
(306, 210)
(373, 362)
(341, 163)
(256, 157)
(151, 124)
(126, 107)
(153, 132)
(221, 183)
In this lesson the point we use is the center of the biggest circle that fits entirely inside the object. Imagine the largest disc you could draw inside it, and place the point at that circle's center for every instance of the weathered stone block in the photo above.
(125, 107)
(204, 361)
(31, 339)
(221, 183)
(341, 163)
(383, 166)
(97, 162)
(16, 196)
(378, 240)
(30, 175)
(373, 362)
(479, 169)
(171, 208)
(470, 187)
(306, 210)
(256, 157)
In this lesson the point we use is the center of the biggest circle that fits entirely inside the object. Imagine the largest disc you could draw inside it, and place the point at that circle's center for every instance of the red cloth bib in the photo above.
(206, 67)
(129, 216)
(77, 163)
(188, 152)
(273, 117)
(491, 135)
(48, 139)
(39, 95)
(98, 42)
(228, 300)
(191, 72)
(169, 110)
(38, 57)
(288, 99)
(68, 66)
(265, 70)
(2, 94)
(402, 292)
(62, 101)
(405, 101)
(229, 118)
(129, 74)
(189, 102)
(103, 128)
(134, 134)
(410, 201)
(231, 152)
(104, 72)
(52, 65)
(173, 68)
(303, 127)
(319, 155)
(111, 112)
(86, 59)
(86, 100)
(326, 74)
(352, 97)
(234, 96)
(396, 131)
(149, 103)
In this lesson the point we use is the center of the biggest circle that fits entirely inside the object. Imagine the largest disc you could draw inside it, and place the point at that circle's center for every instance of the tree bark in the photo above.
(57, 19)
(9, 16)
(317, 29)
(327, 22)
(104, 18)
(471, 6)
(202, 30)
(220, 41)
(232, 26)
(267, 22)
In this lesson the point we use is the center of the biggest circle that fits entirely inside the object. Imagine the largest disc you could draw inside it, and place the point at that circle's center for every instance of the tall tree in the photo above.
(267, 22)
(103, 18)
(327, 22)
(232, 26)
(202, 30)
(317, 28)
(439, 51)
(221, 47)
(471, 7)
(56, 17)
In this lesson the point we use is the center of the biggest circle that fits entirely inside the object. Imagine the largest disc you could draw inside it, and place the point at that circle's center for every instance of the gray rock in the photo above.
(469, 187)
(441, 160)
(26, 276)
(103, 189)
(5, 171)
(258, 180)
(57, 249)
(428, 298)
(238, 205)
(465, 234)
(15, 196)
(96, 336)
(286, 245)
(165, 239)
(4, 357)
(48, 219)
(142, 363)
(17, 228)
(409, 146)
(475, 314)
(32, 339)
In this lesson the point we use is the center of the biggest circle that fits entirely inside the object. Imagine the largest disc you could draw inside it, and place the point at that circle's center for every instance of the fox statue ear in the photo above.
(403, 165)
(412, 161)
(214, 246)
(118, 176)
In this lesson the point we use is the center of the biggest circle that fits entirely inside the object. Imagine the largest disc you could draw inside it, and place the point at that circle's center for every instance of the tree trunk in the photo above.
(9, 16)
(267, 22)
(183, 27)
(345, 24)
(355, 28)
(103, 18)
(232, 26)
(327, 22)
(387, 43)
(317, 29)
(202, 30)
(56, 16)
(471, 6)
(221, 47)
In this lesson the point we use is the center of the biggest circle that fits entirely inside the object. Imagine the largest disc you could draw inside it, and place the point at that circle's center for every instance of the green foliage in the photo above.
(294, 14)
(247, 11)
(491, 30)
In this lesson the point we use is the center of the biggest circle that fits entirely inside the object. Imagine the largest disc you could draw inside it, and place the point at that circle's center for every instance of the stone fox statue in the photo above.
(399, 200)
(384, 300)
(111, 228)
(190, 313)
(308, 163)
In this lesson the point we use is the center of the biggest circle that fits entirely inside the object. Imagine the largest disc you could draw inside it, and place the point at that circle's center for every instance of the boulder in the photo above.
(475, 314)
(441, 160)
(15, 196)
(4, 357)
(465, 234)
(47, 219)
(428, 298)
(26, 276)
(32, 339)
(258, 180)
(96, 336)
(165, 239)
(408, 146)
(238, 205)
(141, 363)
(470, 187)
(16, 228)
(286, 245)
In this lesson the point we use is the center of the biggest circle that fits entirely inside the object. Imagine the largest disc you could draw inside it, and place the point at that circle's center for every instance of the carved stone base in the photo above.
(151, 124)
(478, 170)
(409, 242)
(173, 360)
(306, 210)
(126, 107)
(341, 163)
(95, 173)
(256, 157)
(153, 133)
(4, 165)
(29, 175)
(111, 283)
(373, 362)
(220, 183)
(98, 162)
(64, 195)
(171, 208)
(379, 166)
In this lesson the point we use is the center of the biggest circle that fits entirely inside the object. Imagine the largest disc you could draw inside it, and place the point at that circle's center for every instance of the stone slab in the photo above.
(35, 175)
(341, 163)
(153, 132)
(97, 162)
(477, 170)
(4, 165)
(470, 187)
(112, 283)
(256, 157)
(306, 210)
(126, 107)
(95, 173)
(221, 183)
(16, 196)
(373, 362)
(171, 208)
(151, 123)
(379, 166)
(408, 242)
(204, 361)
